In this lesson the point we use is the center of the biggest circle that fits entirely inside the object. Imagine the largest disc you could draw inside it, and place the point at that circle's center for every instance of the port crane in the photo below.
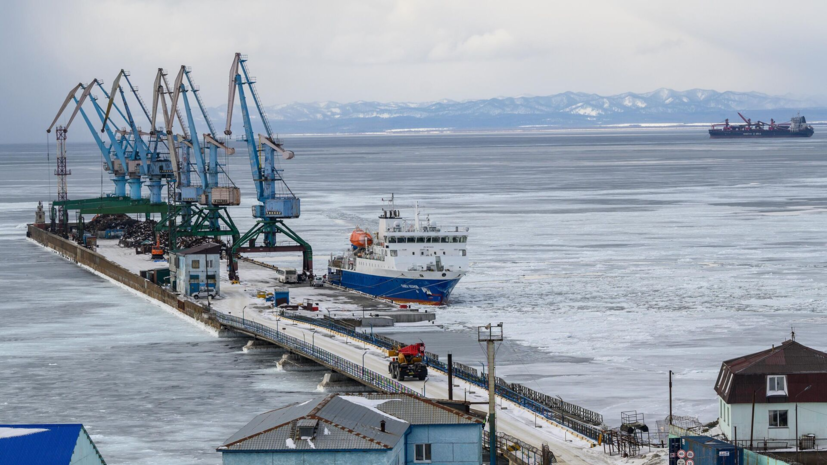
(116, 158)
(203, 207)
(276, 202)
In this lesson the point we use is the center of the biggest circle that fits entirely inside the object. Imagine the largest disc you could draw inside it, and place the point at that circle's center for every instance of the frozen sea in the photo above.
(611, 256)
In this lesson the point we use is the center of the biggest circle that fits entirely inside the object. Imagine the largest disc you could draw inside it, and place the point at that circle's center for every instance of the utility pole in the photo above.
(670, 397)
(451, 377)
(752, 422)
(491, 334)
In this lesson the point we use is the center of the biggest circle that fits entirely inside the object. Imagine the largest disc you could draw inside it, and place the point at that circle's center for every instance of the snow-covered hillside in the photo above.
(566, 109)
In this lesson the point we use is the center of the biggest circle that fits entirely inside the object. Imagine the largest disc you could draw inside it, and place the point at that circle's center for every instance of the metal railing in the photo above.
(554, 409)
(519, 452)
(371, 378)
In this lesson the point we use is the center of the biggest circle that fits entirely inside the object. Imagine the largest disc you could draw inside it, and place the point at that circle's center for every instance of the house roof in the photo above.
(210, 248)
(38, 444)
(788, 358)
(344, 423)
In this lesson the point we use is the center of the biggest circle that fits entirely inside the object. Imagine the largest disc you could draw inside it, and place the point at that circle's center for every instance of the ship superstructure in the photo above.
(404, 261)
(797, 127)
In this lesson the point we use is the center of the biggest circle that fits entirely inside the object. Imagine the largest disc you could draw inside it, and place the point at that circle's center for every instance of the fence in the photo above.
(574, 417)
(519, 452)
(334, 362)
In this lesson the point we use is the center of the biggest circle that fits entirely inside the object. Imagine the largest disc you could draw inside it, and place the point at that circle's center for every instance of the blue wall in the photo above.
(450, 444)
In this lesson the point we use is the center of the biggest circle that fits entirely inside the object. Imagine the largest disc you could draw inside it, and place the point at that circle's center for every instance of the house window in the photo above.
(728, 381)
(778, 418)
(422, 453)
(196, 264)
(777, 385)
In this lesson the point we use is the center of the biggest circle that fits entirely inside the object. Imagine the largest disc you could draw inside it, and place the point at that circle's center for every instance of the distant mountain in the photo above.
(569, 109)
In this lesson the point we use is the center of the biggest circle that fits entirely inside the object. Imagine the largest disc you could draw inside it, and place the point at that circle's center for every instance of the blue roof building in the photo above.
(48, 445)
(369, 429)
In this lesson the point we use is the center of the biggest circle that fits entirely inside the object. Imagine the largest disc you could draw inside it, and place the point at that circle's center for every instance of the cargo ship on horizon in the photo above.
(404, 261)
(797, 127)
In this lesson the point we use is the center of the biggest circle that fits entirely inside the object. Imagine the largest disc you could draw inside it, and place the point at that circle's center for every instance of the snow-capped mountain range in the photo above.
(568, 109)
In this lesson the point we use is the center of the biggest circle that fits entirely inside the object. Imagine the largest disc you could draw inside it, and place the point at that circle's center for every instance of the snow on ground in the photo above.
(127, 258)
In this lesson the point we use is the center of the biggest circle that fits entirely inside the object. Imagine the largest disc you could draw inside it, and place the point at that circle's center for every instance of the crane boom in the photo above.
(65, 103)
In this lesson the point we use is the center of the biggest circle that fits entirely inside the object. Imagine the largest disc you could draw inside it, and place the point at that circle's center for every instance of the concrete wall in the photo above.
(450, 444)
(749, 457)
(811, 420)
(117, 273)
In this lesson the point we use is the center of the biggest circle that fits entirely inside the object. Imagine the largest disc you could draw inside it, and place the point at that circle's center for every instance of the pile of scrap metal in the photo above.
(140, 232)
(142, 236)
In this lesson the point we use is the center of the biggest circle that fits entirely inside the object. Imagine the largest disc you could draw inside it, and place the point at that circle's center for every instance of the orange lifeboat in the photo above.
(360, 238)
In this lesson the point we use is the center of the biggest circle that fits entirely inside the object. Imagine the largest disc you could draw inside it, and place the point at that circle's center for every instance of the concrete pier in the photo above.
(337, 382)
(293, 362)
(258, 346)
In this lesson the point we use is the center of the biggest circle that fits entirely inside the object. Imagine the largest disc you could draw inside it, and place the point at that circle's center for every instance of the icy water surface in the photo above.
(611, 257)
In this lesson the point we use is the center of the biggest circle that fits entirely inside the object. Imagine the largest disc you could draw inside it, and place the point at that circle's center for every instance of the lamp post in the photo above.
(243, 319)
(277, 324)
(313, 338)
(363, 362)
(423, 386)
(491, 334)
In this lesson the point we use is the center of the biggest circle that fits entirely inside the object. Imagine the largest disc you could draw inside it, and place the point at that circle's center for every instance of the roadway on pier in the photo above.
(513, 420)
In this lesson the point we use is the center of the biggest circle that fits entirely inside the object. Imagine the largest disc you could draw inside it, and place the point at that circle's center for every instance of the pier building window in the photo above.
(422, 453)
(778, 418)
(776, 385)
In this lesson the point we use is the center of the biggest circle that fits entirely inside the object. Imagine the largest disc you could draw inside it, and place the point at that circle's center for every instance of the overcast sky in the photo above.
(406, 50)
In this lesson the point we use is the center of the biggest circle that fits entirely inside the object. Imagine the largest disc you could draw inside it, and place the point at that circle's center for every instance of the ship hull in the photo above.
(721, 134)
(399, 289)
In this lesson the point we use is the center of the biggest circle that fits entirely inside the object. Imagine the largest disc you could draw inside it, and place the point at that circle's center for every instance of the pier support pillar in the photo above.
(295, 362)
(257, 346)
(337, 382)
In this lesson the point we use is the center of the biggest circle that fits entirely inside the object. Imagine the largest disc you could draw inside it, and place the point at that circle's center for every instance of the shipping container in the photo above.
(702, 450)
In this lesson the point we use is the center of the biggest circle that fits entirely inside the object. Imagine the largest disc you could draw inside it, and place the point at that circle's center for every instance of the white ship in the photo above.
(405, 261)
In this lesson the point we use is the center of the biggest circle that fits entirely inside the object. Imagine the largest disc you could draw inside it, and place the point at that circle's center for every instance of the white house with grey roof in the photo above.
(369, 429)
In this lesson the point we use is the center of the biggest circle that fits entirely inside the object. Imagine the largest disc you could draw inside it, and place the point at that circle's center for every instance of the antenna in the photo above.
(792, 331)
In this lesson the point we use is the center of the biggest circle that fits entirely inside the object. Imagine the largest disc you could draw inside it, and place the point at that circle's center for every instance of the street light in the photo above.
(423, 385)
(243, 319)
(363, 362)
(314, 337)
(277, 324)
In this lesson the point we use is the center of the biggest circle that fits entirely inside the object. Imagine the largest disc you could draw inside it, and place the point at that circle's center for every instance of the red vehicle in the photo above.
(407, 362)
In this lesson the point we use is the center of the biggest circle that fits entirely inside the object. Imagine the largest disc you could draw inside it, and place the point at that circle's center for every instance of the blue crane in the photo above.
(118, 155)
(153, 165)
(199, 209)
(276, 201)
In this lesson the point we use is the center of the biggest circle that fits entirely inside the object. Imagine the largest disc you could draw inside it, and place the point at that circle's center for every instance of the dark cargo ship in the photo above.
(797, 127)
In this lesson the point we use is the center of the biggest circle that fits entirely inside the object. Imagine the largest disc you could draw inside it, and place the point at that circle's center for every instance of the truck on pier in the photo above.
(407, 362)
